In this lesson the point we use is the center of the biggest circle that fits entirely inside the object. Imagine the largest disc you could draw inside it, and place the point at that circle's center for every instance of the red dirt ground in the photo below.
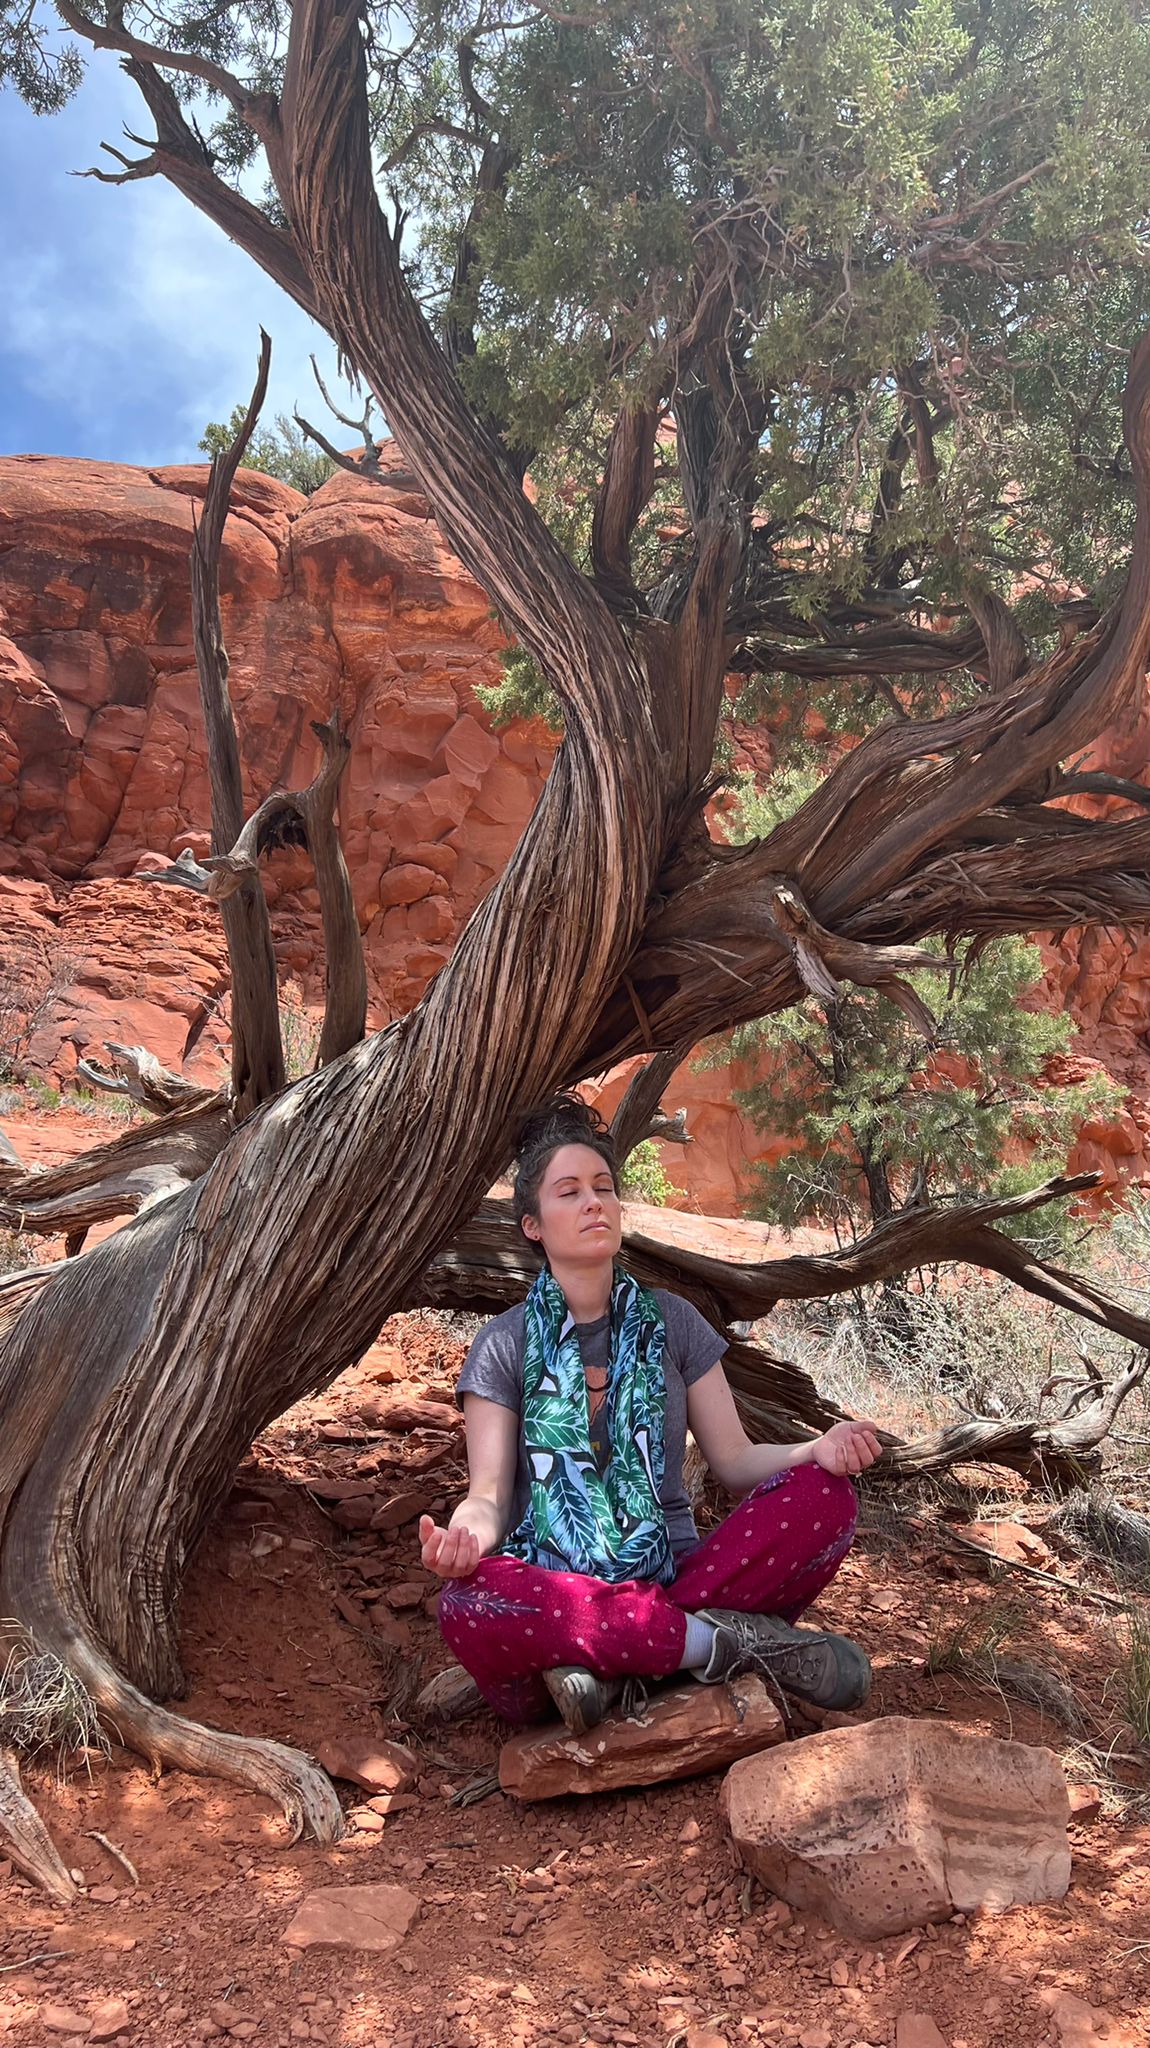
(639, 1929)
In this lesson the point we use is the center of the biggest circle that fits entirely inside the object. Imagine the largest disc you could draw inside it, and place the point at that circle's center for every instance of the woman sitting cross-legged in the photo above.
(574, 1564)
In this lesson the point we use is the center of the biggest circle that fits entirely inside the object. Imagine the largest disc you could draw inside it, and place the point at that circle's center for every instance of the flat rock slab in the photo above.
(678, 1734)
(897, 1822)
(368, 1916)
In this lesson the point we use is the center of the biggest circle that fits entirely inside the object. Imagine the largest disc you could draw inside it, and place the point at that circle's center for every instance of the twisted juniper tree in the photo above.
(819, 328)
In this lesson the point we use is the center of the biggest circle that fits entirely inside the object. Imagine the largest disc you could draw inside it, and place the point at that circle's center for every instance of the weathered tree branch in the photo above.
(257, 1050)
(628, 480)
(638, 1115)
(137, 1073)
(142, 1166)
(307, 817)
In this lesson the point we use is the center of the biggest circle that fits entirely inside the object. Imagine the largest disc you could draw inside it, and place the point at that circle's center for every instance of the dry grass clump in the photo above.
(1135, 1673)
(1096, 1523)
(976, 1648)
(43, 1705)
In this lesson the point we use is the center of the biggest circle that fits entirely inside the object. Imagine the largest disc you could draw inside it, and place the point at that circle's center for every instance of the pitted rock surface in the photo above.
(894, 1823)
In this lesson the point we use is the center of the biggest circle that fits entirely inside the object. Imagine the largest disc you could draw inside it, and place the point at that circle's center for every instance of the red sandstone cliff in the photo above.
(349, 599)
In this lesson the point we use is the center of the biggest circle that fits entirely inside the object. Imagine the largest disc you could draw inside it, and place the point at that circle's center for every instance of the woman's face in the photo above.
(580, 1217)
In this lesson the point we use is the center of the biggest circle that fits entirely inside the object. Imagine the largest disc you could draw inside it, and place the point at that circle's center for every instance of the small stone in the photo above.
(401, 1509)
(264, 1542)
(816, 2037)
(917, 2030)
(390, 1802)
(406, 1594)
(373, 1766)
(228, 2018)
(60, 2019)
(1085, 1804)
(690, 1831)
(840, 1973)
(113, 2017)
(704, 2037)
(104, 1894)
(353, 1514)
(364, 1916)
(366, 1820)
(1013, 1541)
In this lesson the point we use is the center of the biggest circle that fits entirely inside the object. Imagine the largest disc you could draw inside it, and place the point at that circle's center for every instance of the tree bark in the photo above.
(257, 1049)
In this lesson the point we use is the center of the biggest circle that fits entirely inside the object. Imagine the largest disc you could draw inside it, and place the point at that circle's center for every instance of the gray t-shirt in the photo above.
(493, 1368)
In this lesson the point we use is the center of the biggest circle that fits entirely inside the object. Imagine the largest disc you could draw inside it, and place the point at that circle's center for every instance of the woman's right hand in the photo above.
(453, 1553)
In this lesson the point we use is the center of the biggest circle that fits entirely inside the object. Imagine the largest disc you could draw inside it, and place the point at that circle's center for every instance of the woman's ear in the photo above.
(529, 1225)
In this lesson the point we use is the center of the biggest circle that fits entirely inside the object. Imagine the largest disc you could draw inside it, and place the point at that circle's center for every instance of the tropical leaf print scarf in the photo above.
(610, 1525)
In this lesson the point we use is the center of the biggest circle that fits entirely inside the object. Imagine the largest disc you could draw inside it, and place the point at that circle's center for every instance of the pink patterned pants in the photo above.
(510, 1621)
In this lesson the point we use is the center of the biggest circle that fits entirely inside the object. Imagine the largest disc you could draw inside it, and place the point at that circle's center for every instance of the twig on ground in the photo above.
(47, 1955)
(476, 1789)
(117, 1855)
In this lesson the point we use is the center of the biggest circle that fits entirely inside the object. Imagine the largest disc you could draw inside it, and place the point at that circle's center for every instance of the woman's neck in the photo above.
(586, 1289)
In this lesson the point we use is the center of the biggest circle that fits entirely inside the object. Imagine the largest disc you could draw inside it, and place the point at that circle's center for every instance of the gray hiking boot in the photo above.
(815, 1665)
(582, 1699)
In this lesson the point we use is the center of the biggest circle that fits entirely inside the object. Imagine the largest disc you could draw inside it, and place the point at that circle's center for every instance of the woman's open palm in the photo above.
(452, 1553)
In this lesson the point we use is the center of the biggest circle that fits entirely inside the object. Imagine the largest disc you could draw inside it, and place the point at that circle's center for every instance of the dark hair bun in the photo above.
(563, 1120)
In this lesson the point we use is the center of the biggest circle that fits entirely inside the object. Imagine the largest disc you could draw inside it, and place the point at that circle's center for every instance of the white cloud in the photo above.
(127, 320)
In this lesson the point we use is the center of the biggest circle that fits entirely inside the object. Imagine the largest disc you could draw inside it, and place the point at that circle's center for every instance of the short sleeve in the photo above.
(694, 1346)
(493, 1367)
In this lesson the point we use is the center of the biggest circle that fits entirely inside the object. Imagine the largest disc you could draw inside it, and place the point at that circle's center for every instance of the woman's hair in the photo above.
(564, 1120)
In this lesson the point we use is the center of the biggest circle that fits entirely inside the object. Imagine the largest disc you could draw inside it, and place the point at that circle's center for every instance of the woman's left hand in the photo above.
(847, 1449)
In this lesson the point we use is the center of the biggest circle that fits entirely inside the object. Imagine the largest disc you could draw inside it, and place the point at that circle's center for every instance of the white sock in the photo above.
(698, 1645)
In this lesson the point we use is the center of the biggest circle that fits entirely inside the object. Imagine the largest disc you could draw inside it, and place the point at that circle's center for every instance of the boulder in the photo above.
(368, 1916)
(678, 1734)
(893, 1823)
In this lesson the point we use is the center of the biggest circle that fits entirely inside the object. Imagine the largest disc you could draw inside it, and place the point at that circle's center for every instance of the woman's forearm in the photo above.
(757, 1462)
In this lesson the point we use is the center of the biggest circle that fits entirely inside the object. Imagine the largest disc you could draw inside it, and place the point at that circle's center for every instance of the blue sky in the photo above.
(127, 321)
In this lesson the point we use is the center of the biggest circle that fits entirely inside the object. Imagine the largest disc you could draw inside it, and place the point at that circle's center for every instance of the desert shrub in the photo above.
(644, 1177)
(32, 981)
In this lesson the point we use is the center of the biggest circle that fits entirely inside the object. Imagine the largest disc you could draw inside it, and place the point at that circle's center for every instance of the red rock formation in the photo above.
(349, 598)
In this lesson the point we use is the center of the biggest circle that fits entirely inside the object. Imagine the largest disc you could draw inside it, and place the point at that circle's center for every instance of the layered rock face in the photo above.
(347, 599)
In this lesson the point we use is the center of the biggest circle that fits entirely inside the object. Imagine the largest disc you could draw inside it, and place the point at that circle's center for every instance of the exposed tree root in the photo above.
(303, 1792)
(26, 1838)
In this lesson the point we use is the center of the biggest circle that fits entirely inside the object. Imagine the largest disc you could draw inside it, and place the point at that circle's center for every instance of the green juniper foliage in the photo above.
(880, 1113)
(281, 451)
